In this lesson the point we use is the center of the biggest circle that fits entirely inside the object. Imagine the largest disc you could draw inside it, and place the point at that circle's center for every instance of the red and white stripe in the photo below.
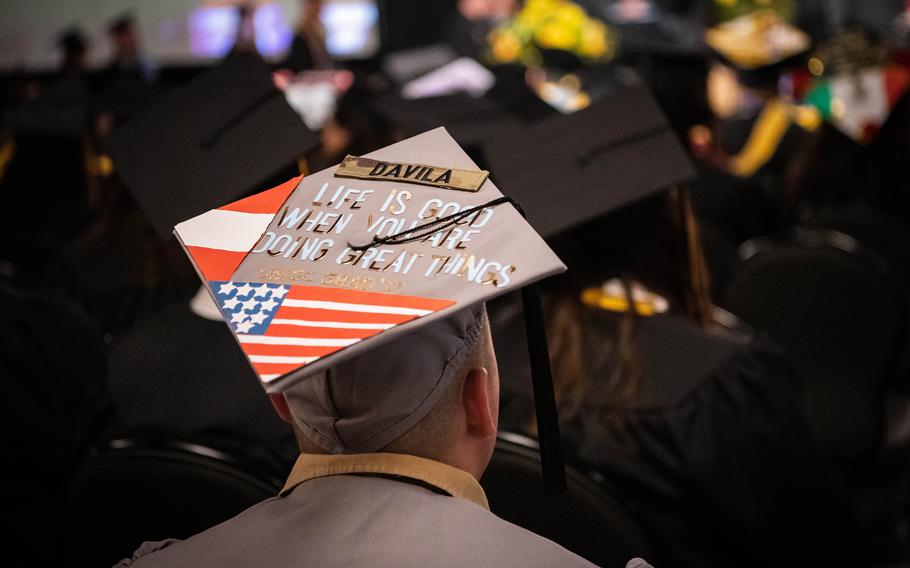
(314, 322)
(219, 240)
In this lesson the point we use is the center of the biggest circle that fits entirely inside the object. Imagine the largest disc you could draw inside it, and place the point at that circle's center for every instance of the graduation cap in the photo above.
(395, 249)
(216, 139)
(857, 85)
(616, 151)
(758, 45)
(469, 120)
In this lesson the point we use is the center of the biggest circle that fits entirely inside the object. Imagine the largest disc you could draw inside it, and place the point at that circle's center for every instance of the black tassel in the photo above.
(554, 471)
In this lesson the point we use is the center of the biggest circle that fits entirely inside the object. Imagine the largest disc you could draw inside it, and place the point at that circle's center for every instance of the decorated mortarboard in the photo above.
(327, 268)
(617, 151)
(758, 44)
(857, 85)
(220, 137)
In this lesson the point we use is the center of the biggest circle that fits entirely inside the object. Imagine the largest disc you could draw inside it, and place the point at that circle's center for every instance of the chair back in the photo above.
(130, 491)
(835, 308)
(585, 519)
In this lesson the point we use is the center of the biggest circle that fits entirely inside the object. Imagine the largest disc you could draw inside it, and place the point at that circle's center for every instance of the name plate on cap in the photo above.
(434, 176)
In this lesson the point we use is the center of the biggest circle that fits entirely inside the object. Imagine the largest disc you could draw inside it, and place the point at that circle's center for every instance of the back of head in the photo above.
(402, 397)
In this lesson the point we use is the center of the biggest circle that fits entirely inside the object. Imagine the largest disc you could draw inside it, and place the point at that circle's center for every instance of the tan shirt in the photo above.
(364, 510)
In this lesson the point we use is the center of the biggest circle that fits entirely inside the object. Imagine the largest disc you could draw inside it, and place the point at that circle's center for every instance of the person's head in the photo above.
(74, 48)
(653, 242)
(433, 393)
(123, 37)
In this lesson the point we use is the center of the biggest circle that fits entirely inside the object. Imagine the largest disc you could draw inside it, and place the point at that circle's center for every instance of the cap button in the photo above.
(360, 239)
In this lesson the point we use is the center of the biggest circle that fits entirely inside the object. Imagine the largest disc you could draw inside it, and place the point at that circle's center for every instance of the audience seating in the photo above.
(836, 309)
(130, 491)
(585, 519)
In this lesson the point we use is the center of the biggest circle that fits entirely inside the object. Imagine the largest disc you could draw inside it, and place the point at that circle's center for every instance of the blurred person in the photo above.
(469, 26)
(73, 51)
(395, 427)
(356, 128)
(749, 154)
(245, 37)
(692, 421)
(859, 154)
(415, 500)
(308, 50)
(126, 60)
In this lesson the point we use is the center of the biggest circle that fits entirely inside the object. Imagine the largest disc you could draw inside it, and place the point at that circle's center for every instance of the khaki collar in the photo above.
(448, 479)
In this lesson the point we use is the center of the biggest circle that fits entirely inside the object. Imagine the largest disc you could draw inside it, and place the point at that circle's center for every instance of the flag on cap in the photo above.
(859, 104)
(857, 84)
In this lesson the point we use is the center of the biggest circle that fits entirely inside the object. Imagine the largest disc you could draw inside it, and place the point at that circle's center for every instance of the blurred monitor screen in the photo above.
(213, 30)
(351, 27)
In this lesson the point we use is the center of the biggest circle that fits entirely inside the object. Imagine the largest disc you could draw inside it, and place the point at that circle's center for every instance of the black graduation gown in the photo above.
(179, 375)
(713, 459)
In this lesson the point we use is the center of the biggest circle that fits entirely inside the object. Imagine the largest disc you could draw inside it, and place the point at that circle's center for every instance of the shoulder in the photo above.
(469, 535)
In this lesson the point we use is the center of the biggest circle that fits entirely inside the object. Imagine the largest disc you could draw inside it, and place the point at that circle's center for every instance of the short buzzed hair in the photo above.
(430, 437)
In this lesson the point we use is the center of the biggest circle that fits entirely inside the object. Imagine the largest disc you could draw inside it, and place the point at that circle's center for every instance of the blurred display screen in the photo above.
(352, 28)
(214, 29)
(179, 31)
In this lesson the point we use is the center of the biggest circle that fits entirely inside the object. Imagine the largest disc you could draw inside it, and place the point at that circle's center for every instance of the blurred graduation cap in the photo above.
(469, 120)
(617, 151)
(857, 85)
(758, 45)
(221, 137)
(398, 249)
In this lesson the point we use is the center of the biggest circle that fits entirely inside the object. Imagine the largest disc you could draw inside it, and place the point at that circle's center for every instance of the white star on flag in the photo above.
(227, 288)
(268, 305)
(250, 304)
(244, 290)
(231, 304)
(245, 326)
(278, 292)
(258, 317)
(238, 317)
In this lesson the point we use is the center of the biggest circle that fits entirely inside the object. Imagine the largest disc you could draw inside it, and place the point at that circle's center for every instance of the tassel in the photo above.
(554, 471)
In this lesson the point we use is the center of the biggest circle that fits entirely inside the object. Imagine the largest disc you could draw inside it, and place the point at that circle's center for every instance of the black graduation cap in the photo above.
(570, 169)
(219, 138)
(469, 120)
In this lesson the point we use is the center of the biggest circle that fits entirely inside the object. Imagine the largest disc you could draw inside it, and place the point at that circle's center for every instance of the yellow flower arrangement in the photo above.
(550, 24)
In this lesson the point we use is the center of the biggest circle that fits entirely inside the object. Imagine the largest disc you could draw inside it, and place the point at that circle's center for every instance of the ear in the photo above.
(480, 413)
(281, 407)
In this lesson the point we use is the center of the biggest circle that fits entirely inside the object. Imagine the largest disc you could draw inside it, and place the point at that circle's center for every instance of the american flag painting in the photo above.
(282, 327)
